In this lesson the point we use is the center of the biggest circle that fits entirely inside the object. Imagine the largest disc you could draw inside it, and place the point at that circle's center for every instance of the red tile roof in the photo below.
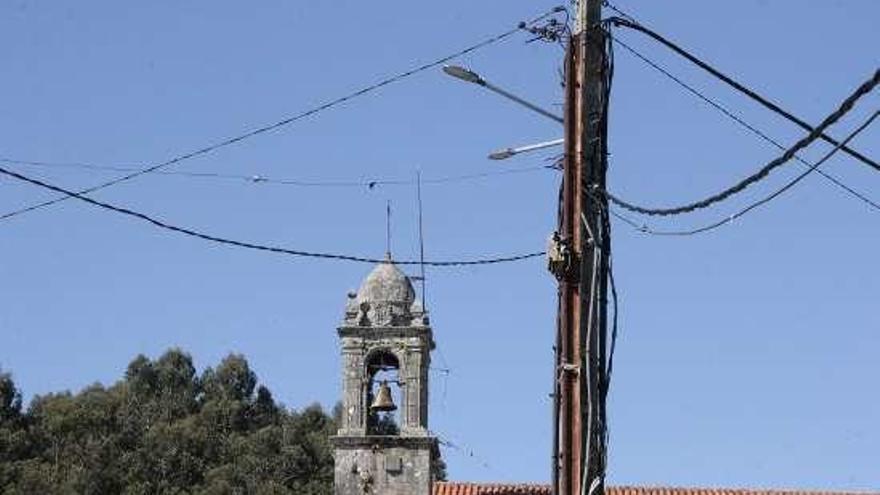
(645, 490)
(489, 489)
(449, 488)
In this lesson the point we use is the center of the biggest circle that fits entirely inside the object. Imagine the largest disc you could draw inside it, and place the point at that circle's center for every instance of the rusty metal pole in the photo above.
(580, 323)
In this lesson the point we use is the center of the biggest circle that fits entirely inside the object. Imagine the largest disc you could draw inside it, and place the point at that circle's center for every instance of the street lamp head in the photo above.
(502, 154)
(505, 153)
(466, 75)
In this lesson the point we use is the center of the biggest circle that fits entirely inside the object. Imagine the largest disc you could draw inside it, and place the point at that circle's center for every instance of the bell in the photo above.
(383, 401)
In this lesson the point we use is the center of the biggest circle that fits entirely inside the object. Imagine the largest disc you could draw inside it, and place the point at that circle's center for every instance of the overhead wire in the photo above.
(290, 120)
(630, 23)
(464, 450)
(739, 120)
(250, 245)
(844, 108)
(756, 204)
(613, 7)
(264, 179)
(446, 370)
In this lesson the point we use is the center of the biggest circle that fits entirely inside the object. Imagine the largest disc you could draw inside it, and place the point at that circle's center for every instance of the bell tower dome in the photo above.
(383, 446)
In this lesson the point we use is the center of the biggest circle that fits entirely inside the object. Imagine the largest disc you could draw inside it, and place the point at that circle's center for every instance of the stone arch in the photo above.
(382, 364)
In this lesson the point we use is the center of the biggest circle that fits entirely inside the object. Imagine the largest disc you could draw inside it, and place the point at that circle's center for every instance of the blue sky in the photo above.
(748, 356)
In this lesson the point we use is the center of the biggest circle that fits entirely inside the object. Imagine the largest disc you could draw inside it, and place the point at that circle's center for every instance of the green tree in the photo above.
(13, 443)
(162, 429)
(10, 399)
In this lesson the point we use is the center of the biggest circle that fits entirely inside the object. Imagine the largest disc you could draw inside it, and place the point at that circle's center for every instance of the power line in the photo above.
(464, 450)
(739, 120)
(290, 120)
(250, 245)
(761, 174)
(613, 7)
(756, 204)
(736, 118)
(630, 23)
(263, 179)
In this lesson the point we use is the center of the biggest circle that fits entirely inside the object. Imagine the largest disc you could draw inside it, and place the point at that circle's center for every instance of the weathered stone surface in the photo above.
(382, 466)
(387, 283)
(384, 320)
(386, 298)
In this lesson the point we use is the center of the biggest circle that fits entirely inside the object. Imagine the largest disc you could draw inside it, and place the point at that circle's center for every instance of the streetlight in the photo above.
(470, 76)
(466, 75)
(506, 153)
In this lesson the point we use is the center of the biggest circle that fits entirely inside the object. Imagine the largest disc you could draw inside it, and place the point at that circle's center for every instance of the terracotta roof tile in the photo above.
(451, 488)
(489, 489)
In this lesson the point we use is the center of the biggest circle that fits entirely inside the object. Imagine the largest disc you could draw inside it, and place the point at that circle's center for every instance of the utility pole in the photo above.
(579, 260)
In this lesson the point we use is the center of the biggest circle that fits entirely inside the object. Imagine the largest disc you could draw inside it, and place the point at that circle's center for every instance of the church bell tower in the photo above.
(383, 446)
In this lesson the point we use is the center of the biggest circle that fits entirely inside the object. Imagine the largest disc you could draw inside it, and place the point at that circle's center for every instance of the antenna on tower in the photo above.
(388, 230)
(421, 236)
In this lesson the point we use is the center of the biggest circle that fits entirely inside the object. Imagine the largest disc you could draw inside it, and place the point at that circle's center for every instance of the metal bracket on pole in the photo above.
(562, 261)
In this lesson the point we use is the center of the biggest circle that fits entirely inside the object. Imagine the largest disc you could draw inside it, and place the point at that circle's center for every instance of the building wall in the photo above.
(383, 469)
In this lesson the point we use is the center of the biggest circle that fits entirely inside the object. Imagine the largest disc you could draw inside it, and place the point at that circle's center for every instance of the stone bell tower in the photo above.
(386, 351)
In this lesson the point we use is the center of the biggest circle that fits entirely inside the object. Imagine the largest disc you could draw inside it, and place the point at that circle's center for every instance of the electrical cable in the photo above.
(593, 377)
(764, 172)
(613, 7)
(614, 322)
(254, 246)
(609, 368)
(756, 204)
(467, 452)
(739, 120)
(263, 179)
(290, 120)
(630, 23)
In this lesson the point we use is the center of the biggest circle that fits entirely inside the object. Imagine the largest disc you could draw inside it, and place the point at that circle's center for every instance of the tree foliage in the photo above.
(164, 429)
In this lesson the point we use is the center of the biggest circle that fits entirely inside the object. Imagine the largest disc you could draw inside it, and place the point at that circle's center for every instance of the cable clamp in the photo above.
(570, 368)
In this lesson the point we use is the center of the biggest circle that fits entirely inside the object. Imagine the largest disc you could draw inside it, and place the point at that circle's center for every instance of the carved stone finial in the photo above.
(363, 317)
